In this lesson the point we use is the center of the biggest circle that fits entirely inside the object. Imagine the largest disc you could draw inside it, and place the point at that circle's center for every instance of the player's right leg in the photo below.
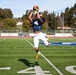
(45, 40)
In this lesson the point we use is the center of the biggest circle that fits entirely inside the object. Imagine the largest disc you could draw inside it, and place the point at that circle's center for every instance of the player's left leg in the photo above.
(36, 43)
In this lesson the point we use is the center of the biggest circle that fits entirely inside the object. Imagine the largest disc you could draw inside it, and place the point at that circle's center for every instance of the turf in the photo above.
(18, 54)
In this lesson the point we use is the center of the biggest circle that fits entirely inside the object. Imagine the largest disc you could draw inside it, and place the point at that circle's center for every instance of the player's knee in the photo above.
(36, 49)
(46, 43)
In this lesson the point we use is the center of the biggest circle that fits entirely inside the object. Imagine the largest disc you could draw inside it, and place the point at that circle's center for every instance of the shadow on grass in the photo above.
(28, 63)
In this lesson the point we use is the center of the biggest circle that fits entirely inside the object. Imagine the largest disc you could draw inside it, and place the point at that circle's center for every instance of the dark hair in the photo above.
(34, 8)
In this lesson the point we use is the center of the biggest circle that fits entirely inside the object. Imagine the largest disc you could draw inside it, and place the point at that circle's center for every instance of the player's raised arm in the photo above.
(30, 17)
(34, 12)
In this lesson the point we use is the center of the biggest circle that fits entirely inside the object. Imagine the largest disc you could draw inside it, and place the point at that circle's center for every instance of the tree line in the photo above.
(6, 19)
(53, 20)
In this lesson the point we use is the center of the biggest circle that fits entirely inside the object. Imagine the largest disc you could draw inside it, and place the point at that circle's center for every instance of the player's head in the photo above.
(35, 8)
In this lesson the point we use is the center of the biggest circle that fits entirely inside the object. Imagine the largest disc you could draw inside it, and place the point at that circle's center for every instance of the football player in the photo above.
(37, 23)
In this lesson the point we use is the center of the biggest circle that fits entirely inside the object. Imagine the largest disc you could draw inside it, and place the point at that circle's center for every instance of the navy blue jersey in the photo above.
(37, 25)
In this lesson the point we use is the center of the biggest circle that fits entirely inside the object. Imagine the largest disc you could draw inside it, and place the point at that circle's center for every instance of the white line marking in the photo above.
(38, 70)
(51, 64)
(71, 69)
(40, 74)
(5, 68)
(48, 61)
(27, 70)
(30, 43)
(2, 40)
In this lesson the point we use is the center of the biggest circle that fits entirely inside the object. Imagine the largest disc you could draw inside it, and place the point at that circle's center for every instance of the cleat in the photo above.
(37, 56)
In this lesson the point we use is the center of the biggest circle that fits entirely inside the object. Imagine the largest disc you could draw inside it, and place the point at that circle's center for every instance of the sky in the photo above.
(19, 7)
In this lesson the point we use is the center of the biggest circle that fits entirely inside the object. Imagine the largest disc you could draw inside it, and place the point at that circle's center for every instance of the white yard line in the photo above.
(47, 60)
(52, 64)
(30, 43)
(5, 68)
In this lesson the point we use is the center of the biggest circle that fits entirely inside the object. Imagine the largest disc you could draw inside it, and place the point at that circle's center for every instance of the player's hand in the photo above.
(35, 12)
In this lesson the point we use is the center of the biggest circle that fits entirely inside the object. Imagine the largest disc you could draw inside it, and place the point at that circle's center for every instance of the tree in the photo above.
(74, 16)
(1, 24)
(1, 14)
(52, 20)
(9, 23)
(66, 16)
(25, 16)
(8, 13)
(45, 15)
(26, 25)
(5, 13)
(70, 16)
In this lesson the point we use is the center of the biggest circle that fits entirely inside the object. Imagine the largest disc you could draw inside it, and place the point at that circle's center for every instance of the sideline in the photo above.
(47, 60)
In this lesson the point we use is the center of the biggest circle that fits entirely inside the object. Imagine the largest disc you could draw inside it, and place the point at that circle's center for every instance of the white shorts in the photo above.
(38, 37)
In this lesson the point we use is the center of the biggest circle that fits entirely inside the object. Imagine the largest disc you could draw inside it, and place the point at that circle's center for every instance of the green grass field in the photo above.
(18, 55)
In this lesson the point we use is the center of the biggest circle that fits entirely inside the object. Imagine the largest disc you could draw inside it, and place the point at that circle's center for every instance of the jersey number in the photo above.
(36, 22)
